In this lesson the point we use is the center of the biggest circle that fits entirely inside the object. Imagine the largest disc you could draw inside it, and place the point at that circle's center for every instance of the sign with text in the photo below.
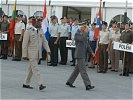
(3, 36)
(70, 44)
(123, 47)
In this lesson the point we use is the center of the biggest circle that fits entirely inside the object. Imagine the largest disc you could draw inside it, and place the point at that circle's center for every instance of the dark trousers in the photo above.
(54, 50)
(73, 55)
(103, 57)
(4, 48)
(80, 68)
(127, 62)
(63, 50)
(18, 46)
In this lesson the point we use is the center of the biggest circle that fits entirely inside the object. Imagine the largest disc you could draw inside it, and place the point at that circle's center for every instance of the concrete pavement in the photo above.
(107, 86)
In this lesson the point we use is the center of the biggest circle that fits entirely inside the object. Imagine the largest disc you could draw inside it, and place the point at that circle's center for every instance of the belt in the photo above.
(103, 44)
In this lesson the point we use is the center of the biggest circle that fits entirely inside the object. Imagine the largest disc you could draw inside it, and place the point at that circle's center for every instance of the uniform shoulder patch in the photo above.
(30, 28)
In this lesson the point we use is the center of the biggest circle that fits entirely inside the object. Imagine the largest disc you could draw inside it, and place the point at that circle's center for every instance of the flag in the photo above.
(6, 1)
(12, 25)
(45, 24)
(98, 23)
(96, 31)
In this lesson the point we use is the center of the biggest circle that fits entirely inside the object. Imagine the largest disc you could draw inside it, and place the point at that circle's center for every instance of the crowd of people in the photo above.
(28, 41)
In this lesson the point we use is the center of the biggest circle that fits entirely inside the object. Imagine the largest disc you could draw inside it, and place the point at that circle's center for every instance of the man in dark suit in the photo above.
(80, 55)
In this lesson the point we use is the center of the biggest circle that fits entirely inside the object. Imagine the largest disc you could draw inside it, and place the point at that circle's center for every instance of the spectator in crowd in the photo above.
(18, 37)
(115, 54)
(54, 41)
(4, 43)
(93, 43)
(74, 29)
(104, 37)
(127, 37)
(64, 31)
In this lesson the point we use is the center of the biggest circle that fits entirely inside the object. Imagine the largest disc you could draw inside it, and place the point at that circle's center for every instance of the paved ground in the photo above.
(107, 86)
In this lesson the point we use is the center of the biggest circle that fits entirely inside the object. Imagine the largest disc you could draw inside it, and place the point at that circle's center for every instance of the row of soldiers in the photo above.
(65, 31)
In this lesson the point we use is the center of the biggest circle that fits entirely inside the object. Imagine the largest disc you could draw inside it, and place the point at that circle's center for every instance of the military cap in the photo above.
(5, 16)
(53, 17)
(10, 17)
(19, 15)
(104, 23)
(76, 19)
(63, 18)
(93, 23)
(31, 17)
(36, 19)
(82, 23)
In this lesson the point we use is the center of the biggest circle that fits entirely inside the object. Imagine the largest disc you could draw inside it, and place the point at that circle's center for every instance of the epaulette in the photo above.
(123, 31)
(30, 28)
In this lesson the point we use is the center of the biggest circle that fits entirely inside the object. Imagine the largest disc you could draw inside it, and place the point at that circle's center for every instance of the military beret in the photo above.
(104, 23)
(19, 15)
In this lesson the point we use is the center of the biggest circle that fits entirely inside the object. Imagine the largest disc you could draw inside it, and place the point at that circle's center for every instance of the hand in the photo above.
(93, 55)
(20, 39)
(49, 53)
(55, 42)
(107, 50)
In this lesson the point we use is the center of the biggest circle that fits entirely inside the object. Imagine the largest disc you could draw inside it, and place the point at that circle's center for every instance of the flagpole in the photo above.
(1, 9)
(123, 65)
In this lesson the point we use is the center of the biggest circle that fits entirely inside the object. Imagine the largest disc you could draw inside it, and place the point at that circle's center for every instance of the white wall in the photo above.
(111, 12)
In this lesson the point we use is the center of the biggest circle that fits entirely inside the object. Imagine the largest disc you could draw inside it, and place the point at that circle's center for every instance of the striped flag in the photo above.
(98, 22)
(45, 24)
(12, 25)
(96, 31)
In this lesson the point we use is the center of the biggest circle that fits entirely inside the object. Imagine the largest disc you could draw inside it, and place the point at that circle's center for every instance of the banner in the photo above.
(70, 44)
(3, 36)
(123, 47)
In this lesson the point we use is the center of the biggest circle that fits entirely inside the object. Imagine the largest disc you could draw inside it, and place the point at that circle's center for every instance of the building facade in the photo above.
(82, 10)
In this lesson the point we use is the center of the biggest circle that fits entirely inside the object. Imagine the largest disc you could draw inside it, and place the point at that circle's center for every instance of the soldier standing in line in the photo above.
(64, 31)
(104, 37)
(32, 43)
(127, 37)
(54, 41)
(115, 54)
(4, 43)
(18, 38)
(74, 29)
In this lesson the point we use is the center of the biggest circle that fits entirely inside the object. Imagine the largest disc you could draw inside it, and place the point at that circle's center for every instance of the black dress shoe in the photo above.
(112, 70)
(1, 57)
(73, 65)
(27, 86)
(16, 59)
(49, 62)
(124, 74)
(54, 64)
(50, 65)
(71, 61)
(100, 71)
(41, 87)
(39, 62)
(70, 85)
(89, 87)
